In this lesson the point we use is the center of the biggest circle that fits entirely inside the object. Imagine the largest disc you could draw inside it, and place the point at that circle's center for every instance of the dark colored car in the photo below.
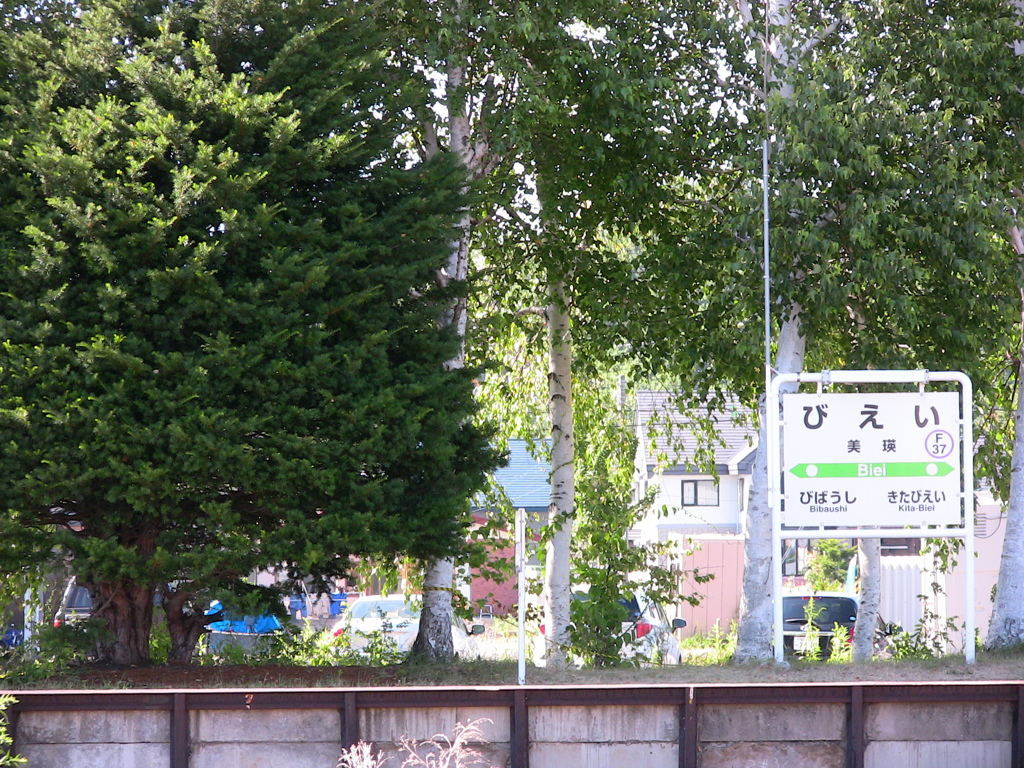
(75, 605)
(824, 609)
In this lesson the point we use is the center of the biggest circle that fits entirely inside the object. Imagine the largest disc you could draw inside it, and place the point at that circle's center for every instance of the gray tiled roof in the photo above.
(680, 444)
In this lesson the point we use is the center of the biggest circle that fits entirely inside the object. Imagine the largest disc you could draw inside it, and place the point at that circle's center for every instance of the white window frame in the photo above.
(697, 485)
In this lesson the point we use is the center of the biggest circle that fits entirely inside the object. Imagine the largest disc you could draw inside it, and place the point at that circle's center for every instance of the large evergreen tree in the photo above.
(222, 346)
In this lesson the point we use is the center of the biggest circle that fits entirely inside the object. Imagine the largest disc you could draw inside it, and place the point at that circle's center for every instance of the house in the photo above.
(524, 484)
(700, 483)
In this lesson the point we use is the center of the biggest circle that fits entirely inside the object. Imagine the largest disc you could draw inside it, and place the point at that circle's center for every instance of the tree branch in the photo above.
(815, 40)
(538, 311)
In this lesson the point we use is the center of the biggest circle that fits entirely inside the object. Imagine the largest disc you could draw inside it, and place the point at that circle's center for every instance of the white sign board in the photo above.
(890, 459)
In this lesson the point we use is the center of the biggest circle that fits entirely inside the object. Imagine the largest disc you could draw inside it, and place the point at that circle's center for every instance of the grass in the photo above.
(307, 662)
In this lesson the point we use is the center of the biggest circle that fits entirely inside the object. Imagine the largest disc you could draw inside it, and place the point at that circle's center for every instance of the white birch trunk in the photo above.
(754, 641)
(563, 482)
(869, 554)
(434, 638)
(1006, 627)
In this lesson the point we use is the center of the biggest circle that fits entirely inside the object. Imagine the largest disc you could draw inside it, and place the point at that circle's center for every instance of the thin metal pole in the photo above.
(773, 460)
(765, 147)
(771, 399)
(521, 571)
(767, 265)
(967, 462)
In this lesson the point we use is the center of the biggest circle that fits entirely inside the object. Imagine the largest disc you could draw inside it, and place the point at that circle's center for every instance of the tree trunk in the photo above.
(434, 638)
(127, 609)
(1006, 627)
(754, 640)
(869, 555)
(563, 484)
(754, 636)
(184, 627)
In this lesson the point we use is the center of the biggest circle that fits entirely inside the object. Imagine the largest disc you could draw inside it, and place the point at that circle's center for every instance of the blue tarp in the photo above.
(12, 637)
(255, 625)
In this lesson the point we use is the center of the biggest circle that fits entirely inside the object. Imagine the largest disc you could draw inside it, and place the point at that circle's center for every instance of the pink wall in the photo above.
(723, 557)
(503, 596)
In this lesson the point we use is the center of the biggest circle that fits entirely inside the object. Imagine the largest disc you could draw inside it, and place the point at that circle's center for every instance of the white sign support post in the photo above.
(848, 463)
(521, 557)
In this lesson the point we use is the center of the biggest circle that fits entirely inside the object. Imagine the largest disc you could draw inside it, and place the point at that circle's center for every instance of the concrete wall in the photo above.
(918, 735)
(386, 729)
(94, 739)
(929, 735)
(791, 735)
(264, 738)
(604, 737)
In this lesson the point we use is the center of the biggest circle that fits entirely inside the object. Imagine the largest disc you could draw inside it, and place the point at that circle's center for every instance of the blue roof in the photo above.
(525, 480)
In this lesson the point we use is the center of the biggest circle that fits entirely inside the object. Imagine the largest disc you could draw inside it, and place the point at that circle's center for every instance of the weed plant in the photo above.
(841, 649)
(361, 755)
(711, 649)
(438, 752)
(51, 652)
(7, 759)
(307, 646)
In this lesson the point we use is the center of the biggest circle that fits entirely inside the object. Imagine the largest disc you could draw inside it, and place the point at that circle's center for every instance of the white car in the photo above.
(651, 634)
(652, 630)
(398, 618)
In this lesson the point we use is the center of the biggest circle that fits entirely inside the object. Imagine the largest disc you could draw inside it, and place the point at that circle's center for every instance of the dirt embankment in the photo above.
(988, 667)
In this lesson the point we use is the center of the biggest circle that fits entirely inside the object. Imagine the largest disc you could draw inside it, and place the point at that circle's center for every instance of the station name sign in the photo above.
(889, 459)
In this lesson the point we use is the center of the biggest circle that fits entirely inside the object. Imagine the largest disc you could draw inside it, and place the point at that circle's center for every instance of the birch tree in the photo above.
(1006, 626)
(466, 51)
(535, 99)
(884, 204)
(1002, 448)
(901, 173)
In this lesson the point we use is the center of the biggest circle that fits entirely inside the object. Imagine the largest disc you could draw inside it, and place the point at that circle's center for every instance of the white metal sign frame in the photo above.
(965, 530)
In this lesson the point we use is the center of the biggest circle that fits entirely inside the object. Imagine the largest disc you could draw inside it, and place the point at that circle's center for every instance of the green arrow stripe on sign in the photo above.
(878, 469)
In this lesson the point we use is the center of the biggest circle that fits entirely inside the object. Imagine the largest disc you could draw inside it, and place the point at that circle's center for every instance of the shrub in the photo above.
(6, 740)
